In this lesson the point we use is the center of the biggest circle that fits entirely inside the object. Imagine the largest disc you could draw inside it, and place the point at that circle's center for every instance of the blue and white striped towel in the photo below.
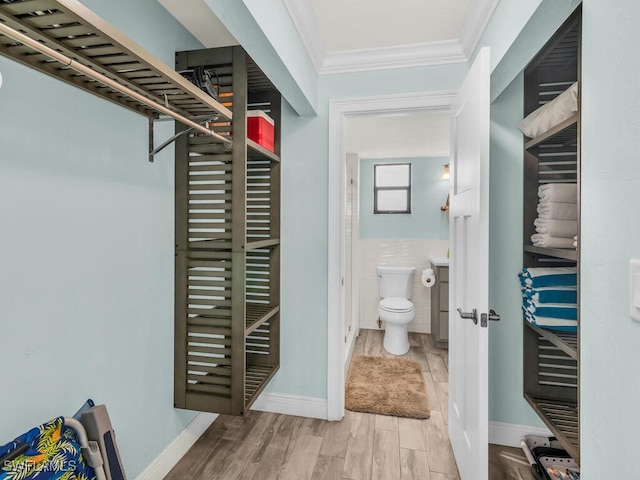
(549, 277)
(551, 310)
(552, 323)
(551, 294)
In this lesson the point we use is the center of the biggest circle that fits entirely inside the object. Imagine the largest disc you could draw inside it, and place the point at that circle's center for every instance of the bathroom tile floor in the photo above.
(361, 447)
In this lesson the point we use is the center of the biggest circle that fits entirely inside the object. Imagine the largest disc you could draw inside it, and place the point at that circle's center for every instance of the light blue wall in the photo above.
(87, 252)
(506, 403)
(428, 192)
(267, 33)
(610, 227)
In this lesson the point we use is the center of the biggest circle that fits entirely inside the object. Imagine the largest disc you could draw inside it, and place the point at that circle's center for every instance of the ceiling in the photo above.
(357, 35)
(365, 24)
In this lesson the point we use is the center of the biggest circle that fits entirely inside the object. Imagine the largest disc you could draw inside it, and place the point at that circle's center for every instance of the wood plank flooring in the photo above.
(268, 446)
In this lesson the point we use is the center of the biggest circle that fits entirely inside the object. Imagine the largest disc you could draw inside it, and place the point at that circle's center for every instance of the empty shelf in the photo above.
(256, 378)
(566, 341)
(257, 315)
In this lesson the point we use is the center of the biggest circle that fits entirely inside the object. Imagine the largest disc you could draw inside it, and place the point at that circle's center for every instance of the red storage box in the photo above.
(261, 129)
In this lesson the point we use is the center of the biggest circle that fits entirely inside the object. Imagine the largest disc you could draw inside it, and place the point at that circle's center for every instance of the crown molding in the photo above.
(401, 56)
(304, 20)
(475, 23)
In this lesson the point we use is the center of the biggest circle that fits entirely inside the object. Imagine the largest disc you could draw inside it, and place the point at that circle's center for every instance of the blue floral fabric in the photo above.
(53, 454)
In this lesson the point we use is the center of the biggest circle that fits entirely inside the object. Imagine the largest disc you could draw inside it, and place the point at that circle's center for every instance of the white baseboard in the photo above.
(509, 434)
(298, 406)
(177, 448)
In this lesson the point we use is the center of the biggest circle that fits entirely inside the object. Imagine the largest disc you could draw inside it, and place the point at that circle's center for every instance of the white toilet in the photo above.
(395, 309)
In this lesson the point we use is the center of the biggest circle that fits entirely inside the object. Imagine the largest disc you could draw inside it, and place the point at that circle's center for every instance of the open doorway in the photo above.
(387, 223)
(340, 113)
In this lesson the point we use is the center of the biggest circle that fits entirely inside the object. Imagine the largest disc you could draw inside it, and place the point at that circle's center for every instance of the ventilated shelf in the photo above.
(257, 315)
(258, 152)
(562, 419)
(566, 341)
(564, 253)
(65, 40)
(256, 378)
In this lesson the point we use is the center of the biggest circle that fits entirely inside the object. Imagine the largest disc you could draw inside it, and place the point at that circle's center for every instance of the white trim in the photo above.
(304, 19)
(299, 406)
(509, 434)
(171, 455)
(475, 23)
(399, 56)
(339, 110)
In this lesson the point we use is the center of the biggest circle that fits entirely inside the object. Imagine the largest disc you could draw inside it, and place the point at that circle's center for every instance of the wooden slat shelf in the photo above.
(75, 32)
(262, 244)
(566, 341)
(257, 315)
(227, 219)
(562, 419)
(256, 378)
(565, 253)
(258, 152)
(564, 132)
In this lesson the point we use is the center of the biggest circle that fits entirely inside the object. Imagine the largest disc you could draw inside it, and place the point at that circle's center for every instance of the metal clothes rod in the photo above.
(71, 63)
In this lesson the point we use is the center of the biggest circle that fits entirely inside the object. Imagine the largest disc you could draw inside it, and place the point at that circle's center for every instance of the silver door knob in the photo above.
(473, 315)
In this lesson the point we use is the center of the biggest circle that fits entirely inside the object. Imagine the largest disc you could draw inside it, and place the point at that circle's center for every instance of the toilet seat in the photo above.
(396, 305)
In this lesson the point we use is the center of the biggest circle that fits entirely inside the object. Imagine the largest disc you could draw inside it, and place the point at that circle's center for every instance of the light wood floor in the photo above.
(268, 446)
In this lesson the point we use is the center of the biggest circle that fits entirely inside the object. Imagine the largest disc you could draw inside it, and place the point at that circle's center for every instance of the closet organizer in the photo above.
(227, 329)
(66, 40)
(551, 357)
(227, 188)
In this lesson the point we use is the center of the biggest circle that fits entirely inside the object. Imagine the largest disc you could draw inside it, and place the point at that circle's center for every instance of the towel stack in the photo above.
(550, 297)
(557, 222)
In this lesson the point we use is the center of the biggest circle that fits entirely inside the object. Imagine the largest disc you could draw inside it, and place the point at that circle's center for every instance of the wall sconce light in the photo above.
(0, 80)
(446, 173)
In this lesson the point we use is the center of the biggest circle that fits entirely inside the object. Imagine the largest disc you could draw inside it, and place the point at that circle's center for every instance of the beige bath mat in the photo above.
(386, 386)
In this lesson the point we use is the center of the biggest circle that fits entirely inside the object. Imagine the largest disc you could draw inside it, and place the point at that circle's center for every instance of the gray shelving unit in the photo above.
(551, 359)
(227, 318)
(440, 305)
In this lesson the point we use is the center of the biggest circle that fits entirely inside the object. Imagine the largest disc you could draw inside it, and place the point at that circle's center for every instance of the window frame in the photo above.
(376, 189)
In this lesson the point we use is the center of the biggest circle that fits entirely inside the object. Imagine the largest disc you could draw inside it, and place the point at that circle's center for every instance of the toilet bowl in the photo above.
(397, 313)
(395, 308)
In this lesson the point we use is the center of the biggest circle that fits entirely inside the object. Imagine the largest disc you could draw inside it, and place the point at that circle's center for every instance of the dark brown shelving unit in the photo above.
(227, 319)
(551, 363)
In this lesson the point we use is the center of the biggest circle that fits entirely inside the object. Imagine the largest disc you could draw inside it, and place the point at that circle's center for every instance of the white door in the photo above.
(469, 270)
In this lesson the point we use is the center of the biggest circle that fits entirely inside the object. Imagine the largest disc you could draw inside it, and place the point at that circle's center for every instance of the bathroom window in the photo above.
(392, 188)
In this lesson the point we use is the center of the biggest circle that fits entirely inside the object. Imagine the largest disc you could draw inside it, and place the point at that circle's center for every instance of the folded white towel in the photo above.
(558, 211)
(548, 241)
(551, 114)
(557, 228)
(558, 192)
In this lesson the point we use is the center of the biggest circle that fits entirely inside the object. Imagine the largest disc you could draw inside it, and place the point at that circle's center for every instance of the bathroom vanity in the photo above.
(440, 302)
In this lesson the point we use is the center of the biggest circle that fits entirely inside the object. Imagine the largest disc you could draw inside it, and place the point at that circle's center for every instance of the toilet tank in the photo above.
(395, 281)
